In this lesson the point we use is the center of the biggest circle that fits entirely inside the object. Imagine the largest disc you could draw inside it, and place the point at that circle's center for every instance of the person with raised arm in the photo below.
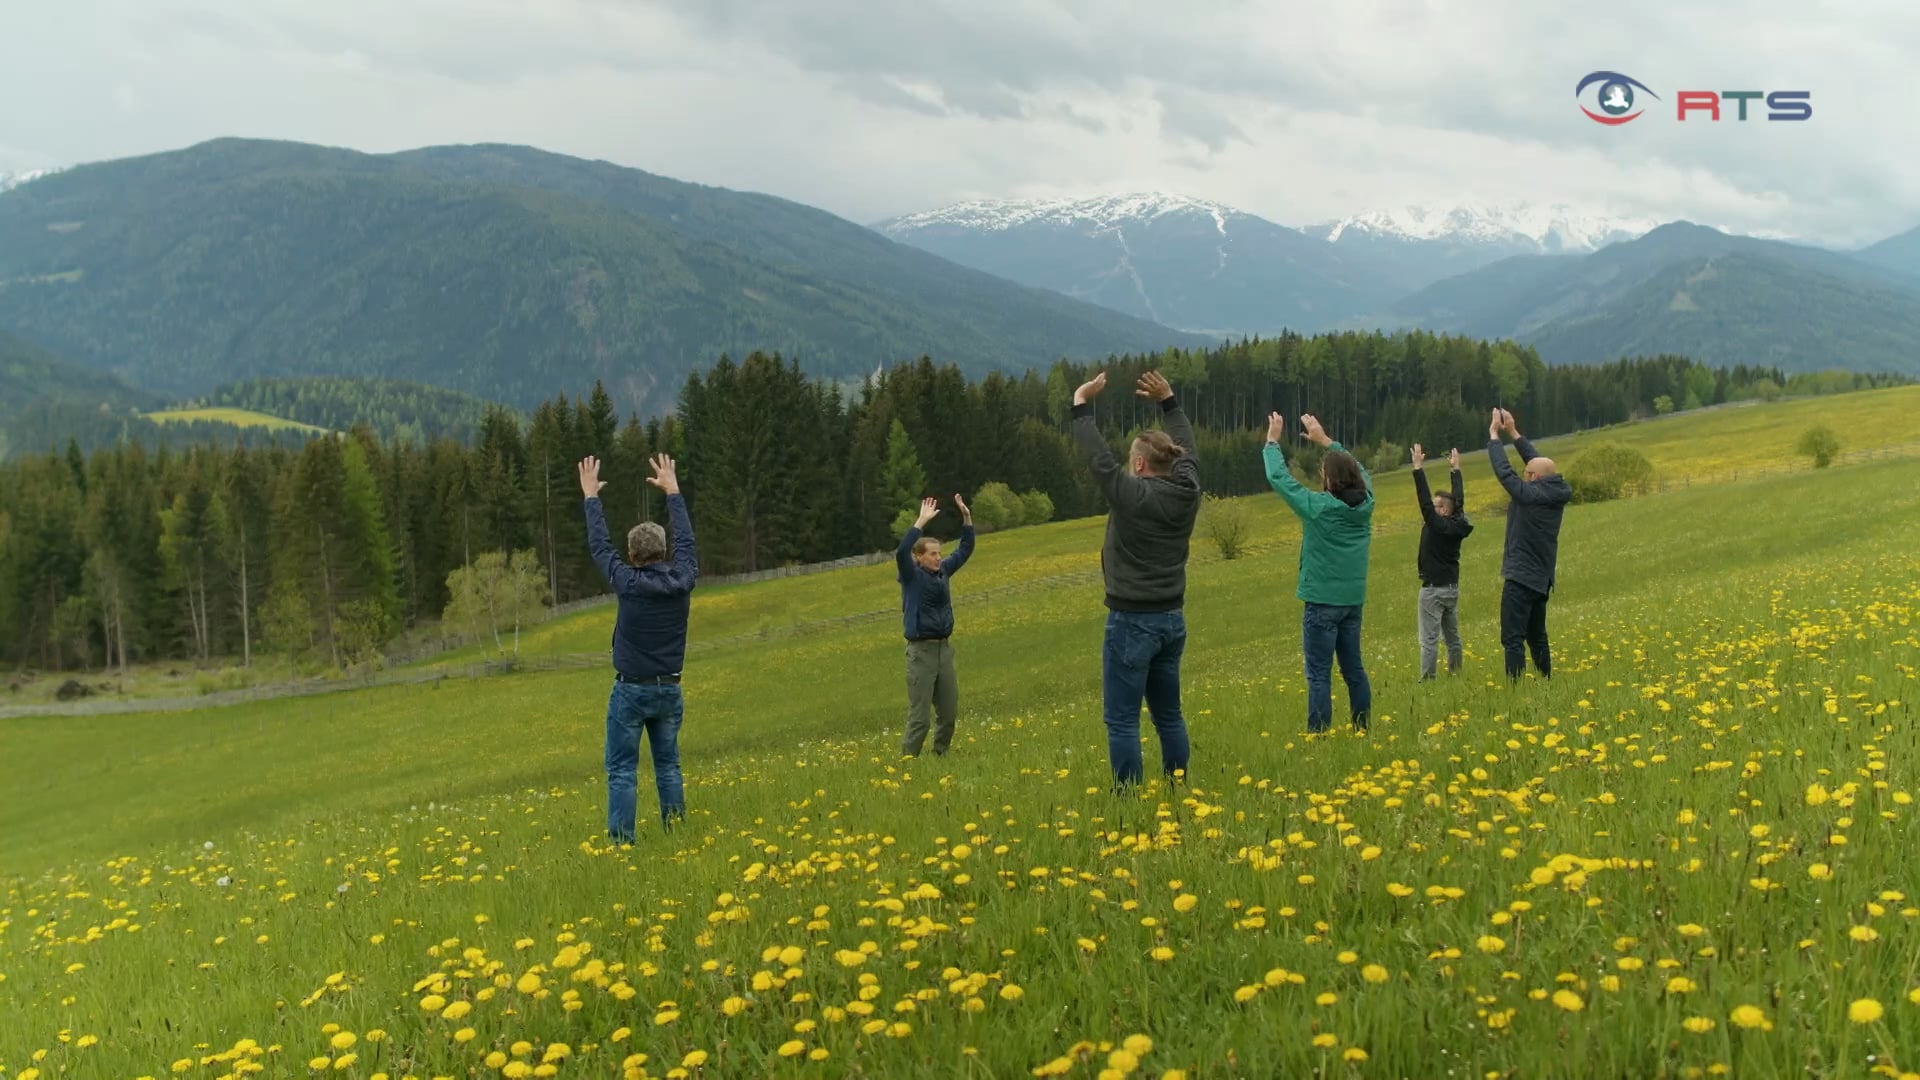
(654, 593)
(1336, 536)
(926, 598)
(1153, 499)
(1446, 525)
(1540, 499)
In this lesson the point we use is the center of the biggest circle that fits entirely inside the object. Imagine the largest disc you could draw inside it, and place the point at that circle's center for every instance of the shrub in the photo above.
(1228, 525)
(1039, 506)
(996, 507)
(1387, 457)
(1819, 443)
(1607, 471)
(1663, 404)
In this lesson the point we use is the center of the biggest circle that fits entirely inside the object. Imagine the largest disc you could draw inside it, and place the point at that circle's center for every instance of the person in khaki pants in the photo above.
(1446, 525)
(926, 598)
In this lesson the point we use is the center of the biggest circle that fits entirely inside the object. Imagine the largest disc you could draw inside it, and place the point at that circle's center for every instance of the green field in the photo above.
(1691, 853)
(245, 418)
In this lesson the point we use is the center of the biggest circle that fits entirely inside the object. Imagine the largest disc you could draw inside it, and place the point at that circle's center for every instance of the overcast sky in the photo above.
(1299, 112)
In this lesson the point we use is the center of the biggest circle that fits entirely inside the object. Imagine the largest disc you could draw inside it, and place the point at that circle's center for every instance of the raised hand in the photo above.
(1276, 427)
(665, 476)
(1090, 389)
(1419, 457)
(1453, 458)
(1310, 424)
(929, 509)
(966, 512)
(1493, 425)
(590, 482)
(1153, 386)
(1506, 421)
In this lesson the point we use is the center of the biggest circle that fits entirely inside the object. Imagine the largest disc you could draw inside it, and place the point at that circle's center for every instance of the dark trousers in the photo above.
(1328, 631)
(633, 710)
(1523, 627)
(1140, 659)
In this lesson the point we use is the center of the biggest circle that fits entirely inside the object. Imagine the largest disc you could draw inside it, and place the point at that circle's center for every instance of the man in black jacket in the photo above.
(926, 599)
(649, 644)
(1446, 525)
(1153, 499)
(1533, 546)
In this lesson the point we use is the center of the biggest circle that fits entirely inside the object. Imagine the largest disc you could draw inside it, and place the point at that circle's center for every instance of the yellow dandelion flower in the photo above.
(1568, 1000)
(1374, 973)
(1490, 944)
(1326, 1040)
(1699, 1025)
(1865, 1011)
(1749, 1017)
(792, 1048)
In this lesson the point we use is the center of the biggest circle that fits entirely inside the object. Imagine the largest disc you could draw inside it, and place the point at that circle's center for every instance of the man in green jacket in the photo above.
(1336, 532)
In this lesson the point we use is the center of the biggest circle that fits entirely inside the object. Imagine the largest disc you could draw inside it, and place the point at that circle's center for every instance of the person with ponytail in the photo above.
(1153, 500)
(1336, 531)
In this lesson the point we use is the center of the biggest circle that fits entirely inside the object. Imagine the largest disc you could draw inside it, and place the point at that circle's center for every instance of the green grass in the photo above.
(298, 871)
(245, 418)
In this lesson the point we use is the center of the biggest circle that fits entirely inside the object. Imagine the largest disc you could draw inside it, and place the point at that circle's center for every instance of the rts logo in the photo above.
(1616, 97)
(1617, 102)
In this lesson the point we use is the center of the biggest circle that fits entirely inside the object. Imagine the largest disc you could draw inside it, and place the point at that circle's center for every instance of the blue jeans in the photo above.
(1141, 659)
(632, 708)
(1327, 630)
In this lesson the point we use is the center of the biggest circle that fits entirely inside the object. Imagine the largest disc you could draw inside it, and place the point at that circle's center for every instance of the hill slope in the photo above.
(40, 393)
(1690, 290)
(1179, 261)
(185, 270)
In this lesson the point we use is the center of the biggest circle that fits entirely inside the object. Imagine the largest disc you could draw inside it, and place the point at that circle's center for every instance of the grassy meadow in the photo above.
(1690, 854)
(246, 418)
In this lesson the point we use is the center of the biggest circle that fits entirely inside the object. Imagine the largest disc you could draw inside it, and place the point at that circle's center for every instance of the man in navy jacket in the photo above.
(926, 599)
(1540, 500)
(649, 644)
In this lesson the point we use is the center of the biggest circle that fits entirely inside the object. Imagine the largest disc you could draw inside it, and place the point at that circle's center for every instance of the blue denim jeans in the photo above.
(656, 710)
(1327, 631)
(1141, 659)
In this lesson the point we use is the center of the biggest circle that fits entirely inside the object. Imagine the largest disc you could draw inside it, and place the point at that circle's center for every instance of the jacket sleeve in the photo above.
(1121, 488)
(1295, 494)
(1459, 493)
(1365, 476)
(903, 556)
(951, 564)
(1503, 470)
(1174, 419)
(1521, 444)
(621, 577)
(1420, 488)
(685, 568)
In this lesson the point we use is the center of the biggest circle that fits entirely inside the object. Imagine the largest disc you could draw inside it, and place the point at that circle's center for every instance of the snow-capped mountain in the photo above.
(11, 180)
(1184, 262)
(1532, 228)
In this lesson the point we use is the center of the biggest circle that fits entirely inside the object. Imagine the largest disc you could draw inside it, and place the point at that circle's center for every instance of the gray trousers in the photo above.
(1439, 614)
(930, 682)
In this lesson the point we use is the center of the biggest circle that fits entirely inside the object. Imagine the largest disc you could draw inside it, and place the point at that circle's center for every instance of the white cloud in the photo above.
(1297, 111)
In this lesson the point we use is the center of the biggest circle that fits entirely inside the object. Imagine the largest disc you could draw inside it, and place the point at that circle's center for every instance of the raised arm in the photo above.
(619, 576)
(1420, 488)
(1520, 443)
(685, 569)
(1459, 489)
(951, 564)
(1121, 488)
(1280, 478)
(903, 556)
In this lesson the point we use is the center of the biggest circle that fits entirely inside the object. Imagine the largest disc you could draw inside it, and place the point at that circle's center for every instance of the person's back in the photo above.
(1336, 538)
(654, 595)
(1531, 560)
(1154, 500)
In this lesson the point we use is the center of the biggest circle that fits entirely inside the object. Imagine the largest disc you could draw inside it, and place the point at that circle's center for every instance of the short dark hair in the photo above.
(924, 545)
(1342, 473)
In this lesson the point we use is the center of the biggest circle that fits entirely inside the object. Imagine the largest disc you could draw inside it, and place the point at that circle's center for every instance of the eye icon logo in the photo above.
(1614, 97)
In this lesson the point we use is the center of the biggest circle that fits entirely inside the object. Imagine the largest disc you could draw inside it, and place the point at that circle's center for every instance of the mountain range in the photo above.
(1582, 287)
(501, 271)
(512, 274)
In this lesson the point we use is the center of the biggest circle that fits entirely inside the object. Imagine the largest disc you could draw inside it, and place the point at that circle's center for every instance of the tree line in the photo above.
(323, 551)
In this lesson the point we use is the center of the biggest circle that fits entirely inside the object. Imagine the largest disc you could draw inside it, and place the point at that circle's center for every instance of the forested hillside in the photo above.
(184, 271)
(323, 549)
(402, 411)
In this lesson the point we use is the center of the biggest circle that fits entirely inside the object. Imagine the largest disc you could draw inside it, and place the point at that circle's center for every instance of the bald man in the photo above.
(1533, 545)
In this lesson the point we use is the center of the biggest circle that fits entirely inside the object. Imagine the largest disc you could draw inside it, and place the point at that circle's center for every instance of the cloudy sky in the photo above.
(1301, 112)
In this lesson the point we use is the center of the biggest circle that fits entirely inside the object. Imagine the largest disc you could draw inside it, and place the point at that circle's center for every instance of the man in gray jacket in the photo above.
(1533, 546)
(1153, 500)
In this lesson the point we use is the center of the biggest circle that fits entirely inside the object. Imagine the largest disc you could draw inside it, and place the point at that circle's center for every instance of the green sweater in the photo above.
(1334, 537)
